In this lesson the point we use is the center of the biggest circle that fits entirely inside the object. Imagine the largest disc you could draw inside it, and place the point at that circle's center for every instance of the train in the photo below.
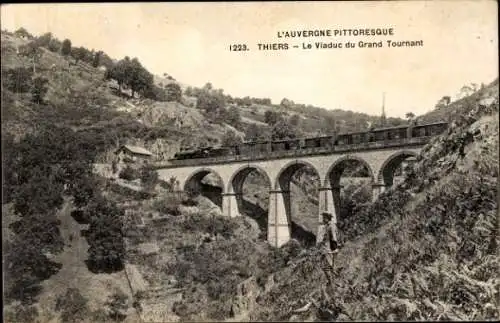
(377, 135)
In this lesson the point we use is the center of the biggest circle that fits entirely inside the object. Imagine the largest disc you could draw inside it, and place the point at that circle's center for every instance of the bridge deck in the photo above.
(405, 142)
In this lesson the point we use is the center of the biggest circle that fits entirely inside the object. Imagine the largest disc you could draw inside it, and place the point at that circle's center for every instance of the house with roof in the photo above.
(133, 154)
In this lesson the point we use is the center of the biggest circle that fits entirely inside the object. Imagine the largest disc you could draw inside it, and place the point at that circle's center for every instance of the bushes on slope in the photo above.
(107, 248)
(438, 261)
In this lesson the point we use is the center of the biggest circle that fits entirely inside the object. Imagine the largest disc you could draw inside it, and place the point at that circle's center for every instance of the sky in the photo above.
(191, 41)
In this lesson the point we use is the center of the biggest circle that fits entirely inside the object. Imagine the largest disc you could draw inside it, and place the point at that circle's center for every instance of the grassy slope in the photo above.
(73, 257)
(74, 272)
(78, 97)
(193, 274)
(65, 80)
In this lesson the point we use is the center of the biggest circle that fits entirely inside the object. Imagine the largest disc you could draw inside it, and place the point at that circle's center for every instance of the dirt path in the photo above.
(75, 274)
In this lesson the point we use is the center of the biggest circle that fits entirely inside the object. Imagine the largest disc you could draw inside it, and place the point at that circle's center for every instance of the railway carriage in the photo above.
(283, 145)
(255, 148)
(428, 129)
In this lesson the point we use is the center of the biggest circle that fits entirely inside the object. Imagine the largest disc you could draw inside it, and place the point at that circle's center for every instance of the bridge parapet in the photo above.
(345, 148)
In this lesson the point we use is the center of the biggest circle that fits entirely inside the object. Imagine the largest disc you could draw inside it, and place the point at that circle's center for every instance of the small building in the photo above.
(133, 154)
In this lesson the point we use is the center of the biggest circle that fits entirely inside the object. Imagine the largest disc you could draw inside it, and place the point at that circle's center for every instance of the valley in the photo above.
(85, 242)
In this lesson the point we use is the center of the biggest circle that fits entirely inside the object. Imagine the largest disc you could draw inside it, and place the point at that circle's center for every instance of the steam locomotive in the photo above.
(379, 135)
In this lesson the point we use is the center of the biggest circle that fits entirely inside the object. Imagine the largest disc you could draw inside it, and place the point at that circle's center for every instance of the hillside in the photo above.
(425, 251)
(160, 126)
(79, 246)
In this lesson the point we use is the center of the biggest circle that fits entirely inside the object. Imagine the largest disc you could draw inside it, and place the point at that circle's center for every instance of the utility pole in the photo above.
(382, 117)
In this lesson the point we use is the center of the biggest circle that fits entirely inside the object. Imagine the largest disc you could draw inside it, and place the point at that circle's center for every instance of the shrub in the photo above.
(137, 300)
(105, 237)
(21, 314)
(73, 306)
(130, 193)
(39, 89)
(80, 216)
(18, 79)
(149, 177)
(118, 306)
(169, 205)
(129, 173)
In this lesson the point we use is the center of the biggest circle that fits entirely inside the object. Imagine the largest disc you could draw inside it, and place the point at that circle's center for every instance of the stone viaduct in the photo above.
(381, 159)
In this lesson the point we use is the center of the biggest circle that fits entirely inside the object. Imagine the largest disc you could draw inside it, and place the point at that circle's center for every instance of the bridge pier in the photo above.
(377, 189)
(278, 228)
(230, 204)
(329, 201)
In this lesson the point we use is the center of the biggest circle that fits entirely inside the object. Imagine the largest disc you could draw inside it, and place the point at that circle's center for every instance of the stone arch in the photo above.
(253, 206)
(240, 174)
(334, 172)
(289, 169)
(281, 207)
(193, 181)
(332, 195)
(202, 172)
(386, 172)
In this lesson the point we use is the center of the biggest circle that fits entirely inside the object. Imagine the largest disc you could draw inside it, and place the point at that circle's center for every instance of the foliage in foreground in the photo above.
(44, 169)
(432, 259)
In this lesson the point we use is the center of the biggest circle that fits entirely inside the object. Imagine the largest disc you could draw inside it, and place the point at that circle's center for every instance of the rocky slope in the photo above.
(427, 250)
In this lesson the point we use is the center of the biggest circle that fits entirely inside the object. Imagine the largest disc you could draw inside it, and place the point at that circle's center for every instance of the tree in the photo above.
(208, 87)
(83, 190)
(132, 74)
(210, 102)
(66, 47)
(282, 130)
(445, 101)
(106, 245)
(231, 139)
(331, 123)
(32, 51)
(189, 91)
(105, 60)
(89, 56)
(246, 101)
(54, 45)
(96, 59)
(286, 103)
(140, 80)
(129, 173)
(233, 117)
(39, 166)
(271, 117)
(39, 89)
(253, 133)
(41, 194)
(118, 72)
(26, 265)
(18, 79)
(410, 116)
(149, 177)
(22, 32)
(10, 154)
(78, 53)
(44, 40)
(174, 92)
(294, 120)
(156, 93)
